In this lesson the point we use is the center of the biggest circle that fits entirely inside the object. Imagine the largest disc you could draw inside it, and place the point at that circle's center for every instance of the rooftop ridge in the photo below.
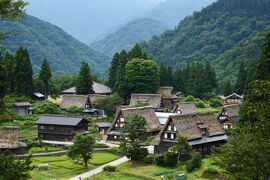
(134, 108)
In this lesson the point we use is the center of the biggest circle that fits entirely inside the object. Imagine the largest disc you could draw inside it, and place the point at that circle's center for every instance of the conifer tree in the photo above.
(241, 80)
(113, 71)
(163, 74)
(3, 79)
(179, 80)
(210, 76)
(45, 75)
(169, 76)
(227, 88)
(8, 60)
(84, 84)
(136, 52)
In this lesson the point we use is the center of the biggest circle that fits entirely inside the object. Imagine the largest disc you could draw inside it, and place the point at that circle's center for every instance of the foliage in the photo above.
(82, 148)
(101, 158)
(58, 84)
(182, 148)
(84, 83)
(159, 160)
(45, 75)
(210, 173)
(149, 159)
(74, 110)
(142, 76)
(247, 152)
(222, 34)
(216, 102)
(109, 104)
(45, 107)
(10, 168)
(228, 89)
(132, 136)
(100, 145)
(194, 162)
(109, 168)
(63, 52)
(241, 81)
(170, 159)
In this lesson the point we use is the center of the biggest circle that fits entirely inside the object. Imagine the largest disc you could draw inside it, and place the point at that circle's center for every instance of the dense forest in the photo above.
(43, 40)
(225, 34)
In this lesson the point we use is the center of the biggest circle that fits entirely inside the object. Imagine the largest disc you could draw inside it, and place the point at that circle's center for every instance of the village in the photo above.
(166, 117)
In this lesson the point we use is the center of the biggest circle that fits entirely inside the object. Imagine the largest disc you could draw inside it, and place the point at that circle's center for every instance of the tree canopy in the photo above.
(84, 83)
(45, 75)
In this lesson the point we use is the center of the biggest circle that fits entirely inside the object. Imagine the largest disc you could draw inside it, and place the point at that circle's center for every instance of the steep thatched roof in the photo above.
(153, 100)
(185, 108)
(95, 97)
(97, 88)
(190, 125)
(231, 111)
(74, 100)
(152, 121)
(167, 92)
(8, 137)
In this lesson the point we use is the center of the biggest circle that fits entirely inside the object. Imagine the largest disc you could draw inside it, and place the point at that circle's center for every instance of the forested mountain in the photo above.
(43, 40)
(132, 33)
(224, 33)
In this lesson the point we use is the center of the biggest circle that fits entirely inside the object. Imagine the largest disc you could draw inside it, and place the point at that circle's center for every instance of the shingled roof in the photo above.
(152, 121)
(97, 88)
(74, 100)
(152, 100)
(60, 120)
(167, 92)
(185, 108)
(189, 125)
(232, 111)
(9, 137)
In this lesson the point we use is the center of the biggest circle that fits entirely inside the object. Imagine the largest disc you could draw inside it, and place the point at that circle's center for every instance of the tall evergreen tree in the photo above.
(263, 65)
(3, 79)
(227, 88)
(8, 60)
(179, 80)
(136, 52)
(45, 75)
(163, 74)
(113, 71)
(23, 73)
(241, 80)
(210, 76)
(84, 84)
(170, 77)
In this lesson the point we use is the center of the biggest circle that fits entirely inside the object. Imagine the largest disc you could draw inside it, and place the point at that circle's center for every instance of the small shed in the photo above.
(38, 96)
(22, 108)
(102, 127)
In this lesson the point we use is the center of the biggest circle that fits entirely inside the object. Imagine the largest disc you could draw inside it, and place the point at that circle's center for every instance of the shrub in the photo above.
(149, 159)
(210, 173)
(100, 145)
(46, 107)
(116, 151)
(109, 168)
(159, 160)
(194, 163)
(216, 102)
(109, 104)
(164, 172)
(92, 130)
(199, 103)
(74, 110)
(170, 159)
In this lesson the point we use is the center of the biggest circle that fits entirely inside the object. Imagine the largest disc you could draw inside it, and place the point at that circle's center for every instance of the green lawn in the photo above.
(126, 171)
(42, 149)
(60, 167)
(208, 109)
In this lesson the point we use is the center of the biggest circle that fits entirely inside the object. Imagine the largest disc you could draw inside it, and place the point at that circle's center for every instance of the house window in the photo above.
(41, 135)
(165, 135)
(225, 126)
(42, 127)
(203, 131)
(116, 124)
(87, 106)
(172, 136)
(115, 137)
(169, 128)
(174, 128)
(122, 119)
(121, 125)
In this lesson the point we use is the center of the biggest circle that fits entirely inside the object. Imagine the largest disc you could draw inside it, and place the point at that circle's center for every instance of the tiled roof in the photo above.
(97, 88)
(60, 120)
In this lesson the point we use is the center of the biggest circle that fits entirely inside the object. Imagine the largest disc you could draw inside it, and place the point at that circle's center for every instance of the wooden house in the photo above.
(228, 115)
(103, 127)
(80, 101)
(9, 140)
(185, 108)
(168, 96)
(97, 88)
(232, 99)
(153, 100)
(152, 123)
(61, 128)
(22, 108)
(202, 130)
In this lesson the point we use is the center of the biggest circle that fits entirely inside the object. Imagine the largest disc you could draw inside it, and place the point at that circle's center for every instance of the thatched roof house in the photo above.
(185, 108)
(153, 100)
(97, 88)
(167, 92)
(153, 125)
(228, 115)
(81, 101)
(9, 140)
(95, 97)
(201, 129)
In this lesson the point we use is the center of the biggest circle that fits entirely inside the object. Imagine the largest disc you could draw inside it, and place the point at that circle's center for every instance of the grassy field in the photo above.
(126, 171)
(42, 149)
(60, 167)
(208, 109)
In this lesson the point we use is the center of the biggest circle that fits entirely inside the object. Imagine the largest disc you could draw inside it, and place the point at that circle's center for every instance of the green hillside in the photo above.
(64, 53)
(125, 38)
(224, 33)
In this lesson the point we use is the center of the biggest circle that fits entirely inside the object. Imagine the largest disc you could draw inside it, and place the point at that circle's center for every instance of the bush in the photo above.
(116, 151)
(159, 160)
(100, 145)
(45, 107)
(210, 173)
(92, 130)
(170, 159)
(109, 168)
(109, 104)
(199, 103)
(164, 172)
(74, 110)
(149, 159)
(194, 163)
(216, 102)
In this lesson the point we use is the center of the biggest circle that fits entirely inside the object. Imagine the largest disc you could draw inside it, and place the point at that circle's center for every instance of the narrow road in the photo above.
(100, 169)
